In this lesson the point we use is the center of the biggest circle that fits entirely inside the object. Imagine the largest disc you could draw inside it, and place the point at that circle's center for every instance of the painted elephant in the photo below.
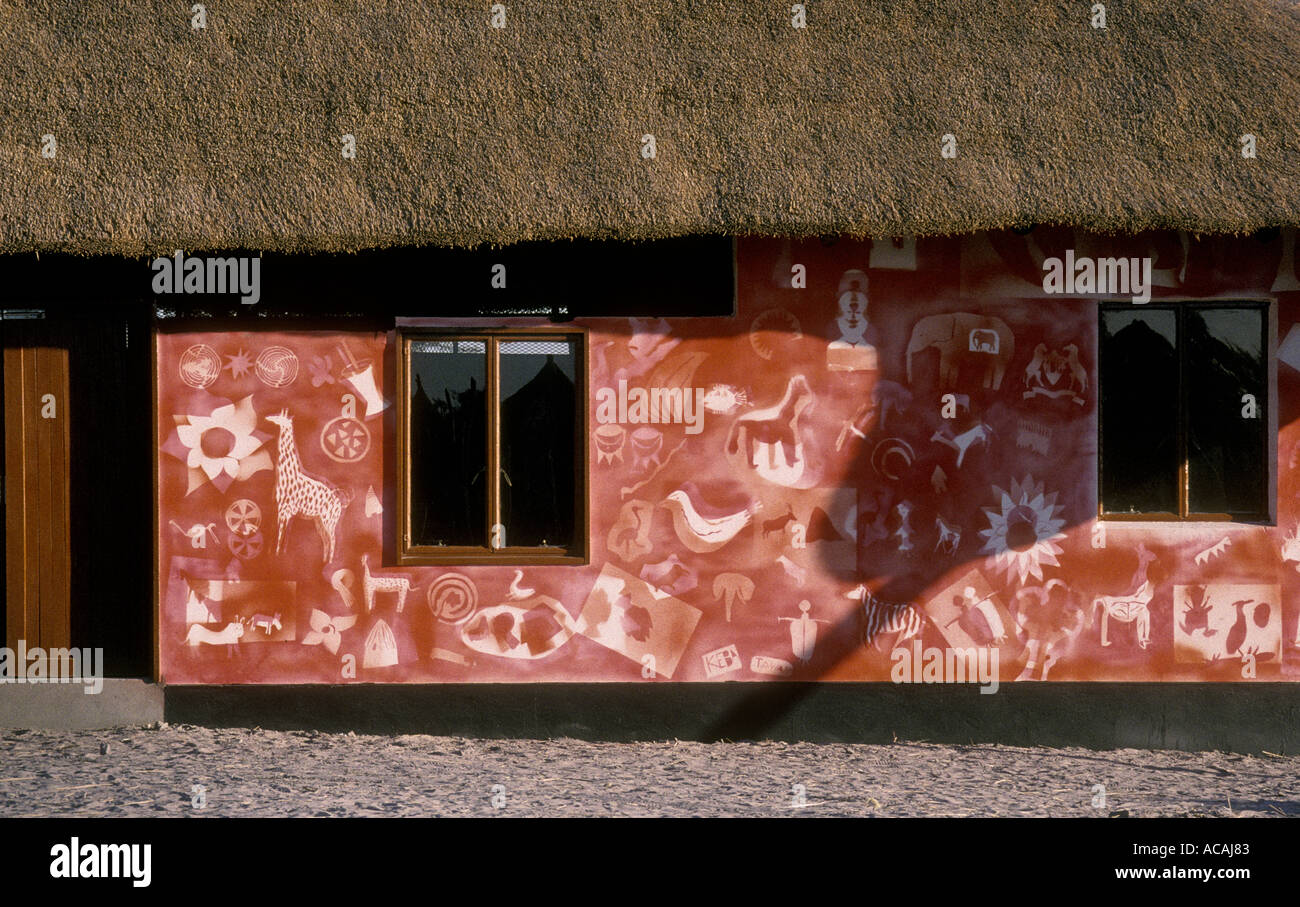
(959, 335)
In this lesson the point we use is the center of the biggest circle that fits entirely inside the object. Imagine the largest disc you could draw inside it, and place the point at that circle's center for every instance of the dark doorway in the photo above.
(108, 565)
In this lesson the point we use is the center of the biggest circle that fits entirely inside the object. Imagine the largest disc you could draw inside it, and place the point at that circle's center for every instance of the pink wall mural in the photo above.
(885, 467)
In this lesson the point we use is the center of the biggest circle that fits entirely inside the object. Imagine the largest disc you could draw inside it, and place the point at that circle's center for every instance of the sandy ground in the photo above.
(186, 770)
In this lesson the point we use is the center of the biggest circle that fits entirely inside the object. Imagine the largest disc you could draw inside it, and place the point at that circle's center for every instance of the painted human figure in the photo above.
(854, 350)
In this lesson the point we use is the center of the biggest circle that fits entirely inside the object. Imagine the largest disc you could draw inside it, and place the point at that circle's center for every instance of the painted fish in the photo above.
(725, 399)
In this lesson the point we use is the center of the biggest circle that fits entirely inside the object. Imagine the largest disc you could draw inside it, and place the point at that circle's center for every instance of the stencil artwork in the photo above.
(721, 661)
(380, 649)
(528, 629)
(360, 376)
(453, 598)
(891, 458)
(886, 625)
(730, 588)
(1056, 374)
(372, 585)
(300, 494)
(770, 437)
(825, 456)
(239, 365)
(327, 630)
(723, 399)
(200, 366)
(671, 575)
(230, 612)
(219, 442)
(631, 617)
(703, 528)
(245, 547)
(1227, 622)
(277, 366)
(980, 433)
(1033, 435)
(963, 337)
(970, 614)
(803, 632)
(345, 440)
(1130, 606)
(772, 332)
(629, 535)
(1024, 530)
(1291, 547)
(650, 343)
(1050, 619)
(854, 349)
(609, 441)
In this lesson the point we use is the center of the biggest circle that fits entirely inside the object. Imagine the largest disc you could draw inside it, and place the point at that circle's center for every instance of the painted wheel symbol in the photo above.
(245, 547)
(345, 440)
(243, 518)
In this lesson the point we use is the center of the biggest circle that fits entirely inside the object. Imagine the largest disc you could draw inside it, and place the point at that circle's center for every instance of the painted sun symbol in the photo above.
(1023, 530)
(240, 364)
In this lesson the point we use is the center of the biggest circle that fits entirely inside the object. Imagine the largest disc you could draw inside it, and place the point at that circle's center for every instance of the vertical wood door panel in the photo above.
(37, 449)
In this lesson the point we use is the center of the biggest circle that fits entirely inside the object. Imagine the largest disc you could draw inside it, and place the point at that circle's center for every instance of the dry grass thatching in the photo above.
(230, 136)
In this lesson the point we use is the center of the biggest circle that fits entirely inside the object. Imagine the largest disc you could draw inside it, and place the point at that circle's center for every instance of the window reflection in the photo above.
(1139, 411)
(537, 432)
(448, 443)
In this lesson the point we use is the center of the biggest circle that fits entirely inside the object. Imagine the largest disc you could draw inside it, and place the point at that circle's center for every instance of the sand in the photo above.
(185, 770)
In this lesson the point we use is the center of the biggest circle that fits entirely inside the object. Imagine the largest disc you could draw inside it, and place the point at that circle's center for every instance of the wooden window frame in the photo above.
(1268, 455)
(577, 554)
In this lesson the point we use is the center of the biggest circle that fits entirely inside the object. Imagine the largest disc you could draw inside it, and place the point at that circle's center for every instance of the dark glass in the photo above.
(1139, 411)
(538, 422)
(448, 444)
(1225, 449)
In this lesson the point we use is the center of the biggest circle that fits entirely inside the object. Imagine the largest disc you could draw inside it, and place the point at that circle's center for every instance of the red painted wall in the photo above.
(740, 552)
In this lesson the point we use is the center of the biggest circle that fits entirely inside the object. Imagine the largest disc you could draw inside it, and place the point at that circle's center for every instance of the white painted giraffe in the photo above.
(299, 494)
(371, 584)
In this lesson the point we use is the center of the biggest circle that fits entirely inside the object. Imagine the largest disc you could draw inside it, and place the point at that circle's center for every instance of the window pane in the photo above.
(1225, 450)
(1139, 411)
(448, 450)
(538, 420)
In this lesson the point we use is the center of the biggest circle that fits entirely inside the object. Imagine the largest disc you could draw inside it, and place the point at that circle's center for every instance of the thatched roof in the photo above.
(230, 136)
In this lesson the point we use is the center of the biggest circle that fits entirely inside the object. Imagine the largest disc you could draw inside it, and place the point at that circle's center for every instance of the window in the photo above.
(1184, 416)
(492, 452)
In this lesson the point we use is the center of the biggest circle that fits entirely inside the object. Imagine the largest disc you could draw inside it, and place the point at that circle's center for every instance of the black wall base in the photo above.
(1193, 716)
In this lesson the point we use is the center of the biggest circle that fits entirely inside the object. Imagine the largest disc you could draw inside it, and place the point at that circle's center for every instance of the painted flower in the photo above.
(327, 630)
(219, 442)
(1023, 530)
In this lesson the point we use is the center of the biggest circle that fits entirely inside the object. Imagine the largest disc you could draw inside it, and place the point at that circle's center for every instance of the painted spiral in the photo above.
(277, 366)
(200, 366)
(453, 598)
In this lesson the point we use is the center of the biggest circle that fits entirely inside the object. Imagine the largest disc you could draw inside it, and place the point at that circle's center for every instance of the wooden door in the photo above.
(36, 496)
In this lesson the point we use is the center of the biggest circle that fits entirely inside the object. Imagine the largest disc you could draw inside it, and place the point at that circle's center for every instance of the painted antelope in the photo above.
(265, 622)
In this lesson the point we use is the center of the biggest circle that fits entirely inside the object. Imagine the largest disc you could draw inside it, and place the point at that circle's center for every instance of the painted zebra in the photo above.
(881, 618)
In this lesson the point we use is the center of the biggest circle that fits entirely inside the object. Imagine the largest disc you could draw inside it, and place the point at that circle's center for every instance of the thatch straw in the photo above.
(230, 136)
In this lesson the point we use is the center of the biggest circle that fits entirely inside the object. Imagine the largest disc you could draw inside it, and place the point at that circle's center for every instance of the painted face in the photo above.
(853, 306)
